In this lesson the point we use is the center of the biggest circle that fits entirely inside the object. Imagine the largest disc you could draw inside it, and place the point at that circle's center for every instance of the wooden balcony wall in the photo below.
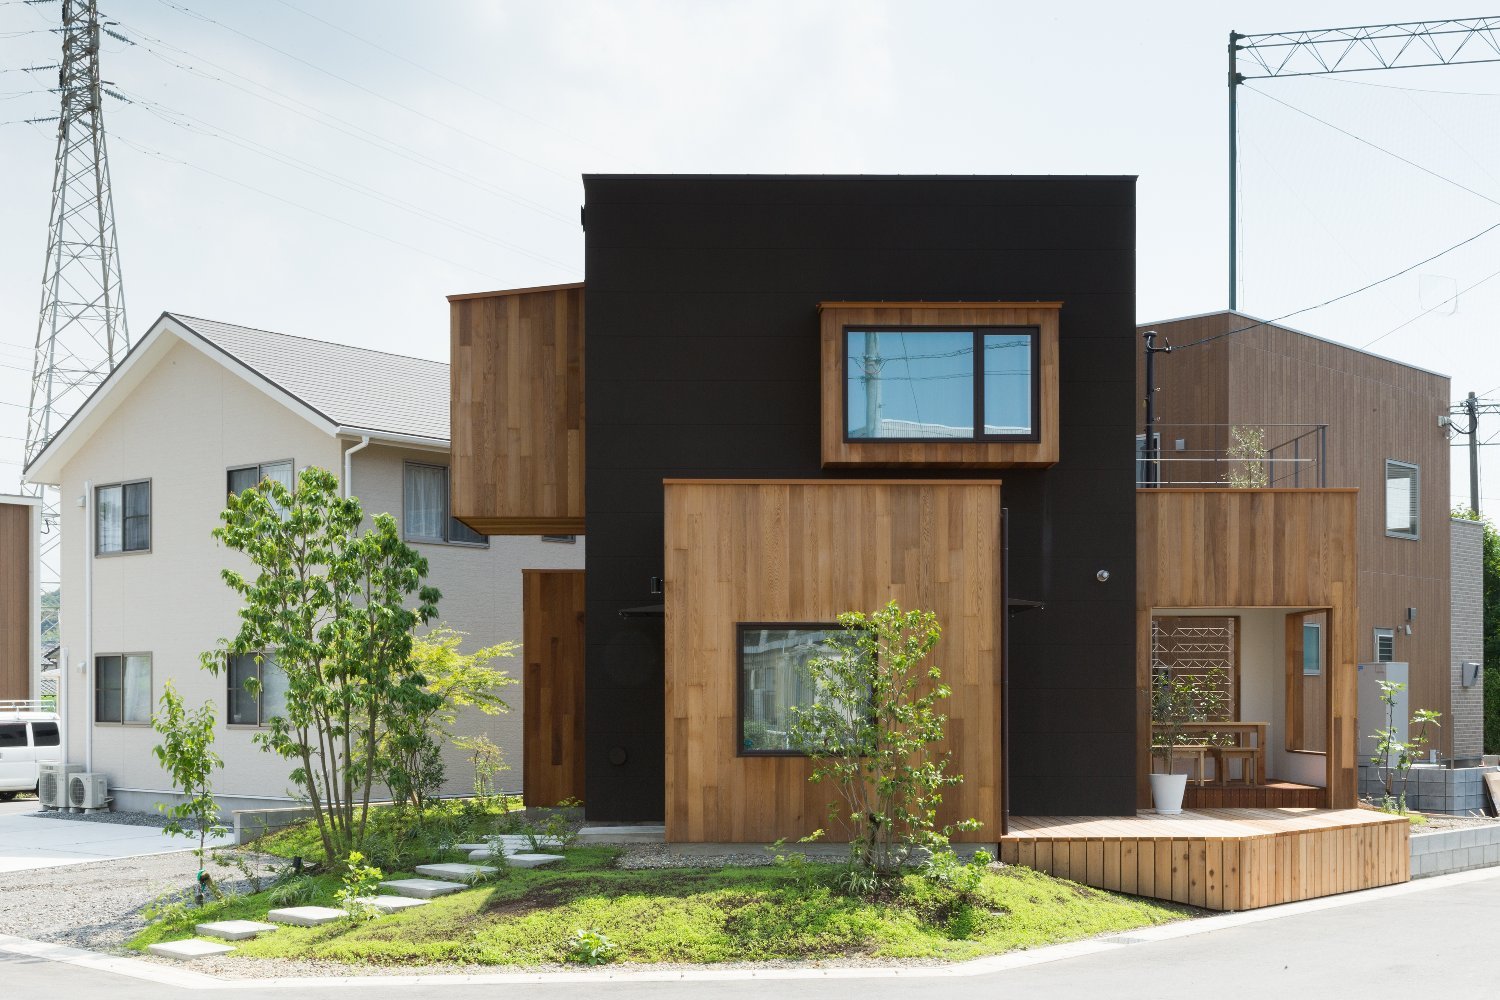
(17, 626)
(517, 411)
(1231, 548)
(805, 551)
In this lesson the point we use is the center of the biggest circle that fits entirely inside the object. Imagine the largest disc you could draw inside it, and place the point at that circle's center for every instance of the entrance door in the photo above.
(552, 769)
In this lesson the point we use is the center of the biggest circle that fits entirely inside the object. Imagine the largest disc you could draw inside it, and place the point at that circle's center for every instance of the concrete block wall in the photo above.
(1466, 625)
(1451, 791)
(1445, 851)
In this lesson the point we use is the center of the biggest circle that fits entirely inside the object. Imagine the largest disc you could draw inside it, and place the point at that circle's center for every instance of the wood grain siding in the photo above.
(517, 411)
(1375, 409)
(807, 550)
(1294, 549)
(552, 769)
(16, 586)
(839, 453)
(1220, 859)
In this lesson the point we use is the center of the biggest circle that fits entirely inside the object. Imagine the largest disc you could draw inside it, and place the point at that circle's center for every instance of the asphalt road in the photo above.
(1438, 938)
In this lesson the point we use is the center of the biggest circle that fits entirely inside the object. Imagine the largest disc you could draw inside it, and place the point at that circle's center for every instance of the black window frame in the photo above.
(978, 333)
(740, 628)
(123, 486)
(448, 519)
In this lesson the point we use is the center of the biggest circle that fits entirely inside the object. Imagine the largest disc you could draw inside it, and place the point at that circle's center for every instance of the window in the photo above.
(44, 734)
(425, 508)
(257, 707)
(1312, 649)
(12, 736)
(561, 539)
(1402, 496)
(773, 676)
(925, 384)
(122, 688)
(1385, 645)
(249, 476)
(122, 518)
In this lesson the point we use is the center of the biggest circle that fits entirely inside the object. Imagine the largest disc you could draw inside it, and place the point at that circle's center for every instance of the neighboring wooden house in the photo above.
(20, 613)
(199, 408)
(796, 396)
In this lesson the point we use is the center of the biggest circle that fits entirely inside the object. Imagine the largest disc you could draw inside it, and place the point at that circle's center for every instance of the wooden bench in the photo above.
(1192, 752)
(1249, 758)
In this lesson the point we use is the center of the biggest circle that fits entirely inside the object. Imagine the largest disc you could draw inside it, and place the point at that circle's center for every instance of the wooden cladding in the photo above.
(1229, 548)
(17, 625)
(1220, 859)
(805, 551)
(836, 317)
(517, 411)
(552, 648)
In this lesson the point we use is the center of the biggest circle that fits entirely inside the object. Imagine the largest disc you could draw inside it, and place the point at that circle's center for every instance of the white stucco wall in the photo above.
(186, 423)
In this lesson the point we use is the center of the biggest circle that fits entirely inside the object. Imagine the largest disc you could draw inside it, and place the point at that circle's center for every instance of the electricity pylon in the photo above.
(81, 333)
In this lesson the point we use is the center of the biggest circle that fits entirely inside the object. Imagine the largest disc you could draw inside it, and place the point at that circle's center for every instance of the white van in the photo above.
(29, 735)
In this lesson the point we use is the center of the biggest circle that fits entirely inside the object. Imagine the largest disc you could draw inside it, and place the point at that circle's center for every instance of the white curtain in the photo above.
(137, 689)
(109, 515)
(426, 501)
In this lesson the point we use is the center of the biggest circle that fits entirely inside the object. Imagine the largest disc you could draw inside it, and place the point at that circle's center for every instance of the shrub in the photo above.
(187, 752)
(359, 884)
(590, 947)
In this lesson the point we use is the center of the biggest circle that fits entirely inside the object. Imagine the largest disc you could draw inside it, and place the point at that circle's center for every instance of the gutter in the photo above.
(413, 440)
(364, 442)
(88, 622)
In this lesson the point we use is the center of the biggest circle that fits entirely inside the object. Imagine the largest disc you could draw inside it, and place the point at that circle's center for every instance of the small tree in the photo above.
(1180, 698)
(873, 729)
(1247, 455)
(1395, 751)
(487, 759)
(332, 601)
(187, 752)
(452, 682)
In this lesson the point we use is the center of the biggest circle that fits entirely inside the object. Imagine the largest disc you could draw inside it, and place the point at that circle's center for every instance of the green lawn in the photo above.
(529, 918)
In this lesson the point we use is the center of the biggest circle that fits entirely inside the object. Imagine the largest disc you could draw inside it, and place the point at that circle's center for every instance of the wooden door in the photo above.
(552, 695)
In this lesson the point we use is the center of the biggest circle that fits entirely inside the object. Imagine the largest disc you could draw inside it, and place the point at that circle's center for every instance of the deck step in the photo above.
(421, 888)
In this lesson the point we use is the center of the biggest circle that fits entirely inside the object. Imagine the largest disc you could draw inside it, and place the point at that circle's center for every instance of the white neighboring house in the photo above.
(199, 407)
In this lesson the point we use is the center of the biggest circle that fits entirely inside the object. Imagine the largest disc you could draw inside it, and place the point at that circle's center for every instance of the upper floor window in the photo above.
(1402, 496)
(122, 518)
(974, 384)
(249, 476)
(425, 513)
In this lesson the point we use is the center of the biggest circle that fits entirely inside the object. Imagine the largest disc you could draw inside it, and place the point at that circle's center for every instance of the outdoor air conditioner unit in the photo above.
(52, 782)
(88, 791)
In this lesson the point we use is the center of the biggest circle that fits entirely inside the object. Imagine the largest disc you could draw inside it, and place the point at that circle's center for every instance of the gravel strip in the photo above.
(663, 856)
(1437, 821)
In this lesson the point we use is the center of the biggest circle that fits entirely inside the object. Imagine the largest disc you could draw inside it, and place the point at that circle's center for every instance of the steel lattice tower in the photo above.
(81, 333)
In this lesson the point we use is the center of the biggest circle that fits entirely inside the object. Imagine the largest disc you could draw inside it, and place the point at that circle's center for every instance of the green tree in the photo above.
(332, 601)
(873, 729)
(452, 681)
(1491, 559)
(187, 752)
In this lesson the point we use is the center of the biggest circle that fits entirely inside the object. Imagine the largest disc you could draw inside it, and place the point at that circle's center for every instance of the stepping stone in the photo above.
(306, 916)
(393, 904)
(532, 860)
(422, 888)
(454, 873)
(234, 930)
(186, 951)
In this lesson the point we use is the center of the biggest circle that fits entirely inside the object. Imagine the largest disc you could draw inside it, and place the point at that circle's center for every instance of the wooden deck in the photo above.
(1271, 795)
(1219, 859)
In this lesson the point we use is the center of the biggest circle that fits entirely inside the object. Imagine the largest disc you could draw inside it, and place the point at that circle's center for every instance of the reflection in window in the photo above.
(1007, 384)
(774, 676)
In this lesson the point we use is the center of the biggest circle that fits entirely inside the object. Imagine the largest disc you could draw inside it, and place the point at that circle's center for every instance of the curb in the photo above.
(135, 968)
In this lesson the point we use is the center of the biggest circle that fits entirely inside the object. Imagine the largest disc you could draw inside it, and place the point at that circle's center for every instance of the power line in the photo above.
(1452, 298)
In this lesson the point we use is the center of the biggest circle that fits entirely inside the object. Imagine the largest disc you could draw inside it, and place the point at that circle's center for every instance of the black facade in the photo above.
(702, 360)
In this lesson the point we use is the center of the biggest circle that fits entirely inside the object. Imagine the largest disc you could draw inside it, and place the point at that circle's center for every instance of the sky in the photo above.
(334, 169)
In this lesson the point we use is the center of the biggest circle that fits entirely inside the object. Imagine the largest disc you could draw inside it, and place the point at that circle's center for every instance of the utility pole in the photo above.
(1234, 169)
(1471, 406)
(81, 332)
(1149, 449)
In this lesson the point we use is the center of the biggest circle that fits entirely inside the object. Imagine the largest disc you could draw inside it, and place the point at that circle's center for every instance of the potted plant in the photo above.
(1177, 699)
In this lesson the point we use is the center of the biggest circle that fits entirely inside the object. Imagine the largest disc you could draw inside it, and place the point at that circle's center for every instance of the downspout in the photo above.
(364, 442)
(88, 625)
(1005, 671)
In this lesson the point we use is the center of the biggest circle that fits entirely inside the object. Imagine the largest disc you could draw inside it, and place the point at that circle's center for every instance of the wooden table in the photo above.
(1251, 735)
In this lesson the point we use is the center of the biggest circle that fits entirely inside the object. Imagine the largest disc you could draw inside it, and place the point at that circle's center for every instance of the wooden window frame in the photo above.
(978, 333)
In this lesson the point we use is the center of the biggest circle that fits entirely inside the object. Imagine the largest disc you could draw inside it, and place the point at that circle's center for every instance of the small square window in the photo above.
(122, 518)
(774, 677)
(257, 707)
(1402, 499)
(425, 515)
(122, 688)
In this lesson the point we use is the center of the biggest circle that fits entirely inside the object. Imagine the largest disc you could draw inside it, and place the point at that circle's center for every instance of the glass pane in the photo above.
(12, 735)
(137, 517)
(1007, 383)
(910, 384)
(243, 705)
(1401, 499)
(278, 472)
(460, 532)
(108, 518)
(774, 677)
(1312, 662)
(273, 686)
(241, 480)
(44, 734)
(107, 689)
(137, 689)
(426, 502)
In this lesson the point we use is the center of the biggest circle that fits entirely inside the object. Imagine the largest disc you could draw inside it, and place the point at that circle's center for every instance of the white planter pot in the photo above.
(1167, 791)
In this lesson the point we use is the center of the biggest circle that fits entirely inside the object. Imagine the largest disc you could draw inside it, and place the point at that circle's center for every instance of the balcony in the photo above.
(1206, 456)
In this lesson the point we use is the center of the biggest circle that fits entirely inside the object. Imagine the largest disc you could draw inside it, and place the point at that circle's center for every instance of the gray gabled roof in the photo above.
(353, 387)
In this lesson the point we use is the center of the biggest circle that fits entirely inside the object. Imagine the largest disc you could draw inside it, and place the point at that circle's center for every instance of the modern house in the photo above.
(20, 615)
(775, 399)
(1329, 415)
(197, 409)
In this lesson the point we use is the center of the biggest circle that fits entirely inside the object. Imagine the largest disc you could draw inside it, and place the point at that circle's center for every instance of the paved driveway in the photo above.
(27, 841)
